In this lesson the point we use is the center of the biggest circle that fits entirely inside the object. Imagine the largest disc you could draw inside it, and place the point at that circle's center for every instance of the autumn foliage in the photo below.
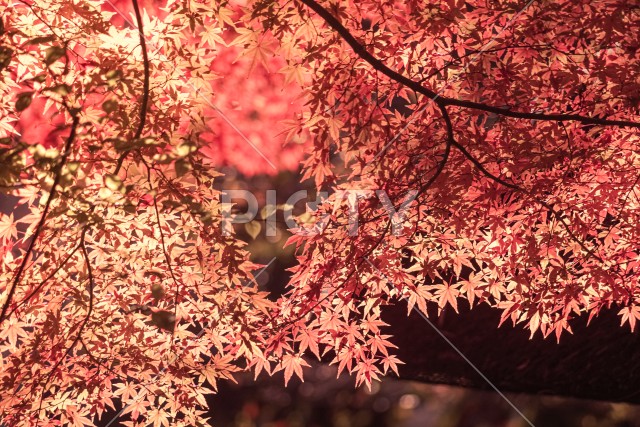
(515, 124)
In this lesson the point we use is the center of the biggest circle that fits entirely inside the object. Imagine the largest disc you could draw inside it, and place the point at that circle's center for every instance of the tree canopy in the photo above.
(505, 135)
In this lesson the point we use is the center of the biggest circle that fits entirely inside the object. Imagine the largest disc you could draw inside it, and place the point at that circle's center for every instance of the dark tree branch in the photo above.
(40, 226)
(144, 103)
(443, 102)
(378, 65)
(145, 85)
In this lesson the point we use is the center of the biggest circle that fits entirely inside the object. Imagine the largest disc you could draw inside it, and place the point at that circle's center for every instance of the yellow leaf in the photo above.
(113, 183)
(253, 228)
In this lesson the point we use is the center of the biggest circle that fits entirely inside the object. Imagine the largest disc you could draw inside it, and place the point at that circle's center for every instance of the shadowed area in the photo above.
(598, 361)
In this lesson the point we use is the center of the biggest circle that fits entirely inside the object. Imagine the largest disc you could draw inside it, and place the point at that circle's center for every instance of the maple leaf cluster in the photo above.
(514, 127)
(518, 130)
(117, 282)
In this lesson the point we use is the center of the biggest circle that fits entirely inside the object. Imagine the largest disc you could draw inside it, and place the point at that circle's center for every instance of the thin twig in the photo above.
(516, 187)
(42, 283)
(84, 321)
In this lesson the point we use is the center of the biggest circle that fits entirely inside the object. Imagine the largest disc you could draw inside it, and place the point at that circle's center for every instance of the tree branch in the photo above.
(378, 65)
(43, 217)
(145, 85)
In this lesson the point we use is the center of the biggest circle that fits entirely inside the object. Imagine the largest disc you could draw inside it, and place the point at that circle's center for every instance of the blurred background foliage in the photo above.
(323, 400)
